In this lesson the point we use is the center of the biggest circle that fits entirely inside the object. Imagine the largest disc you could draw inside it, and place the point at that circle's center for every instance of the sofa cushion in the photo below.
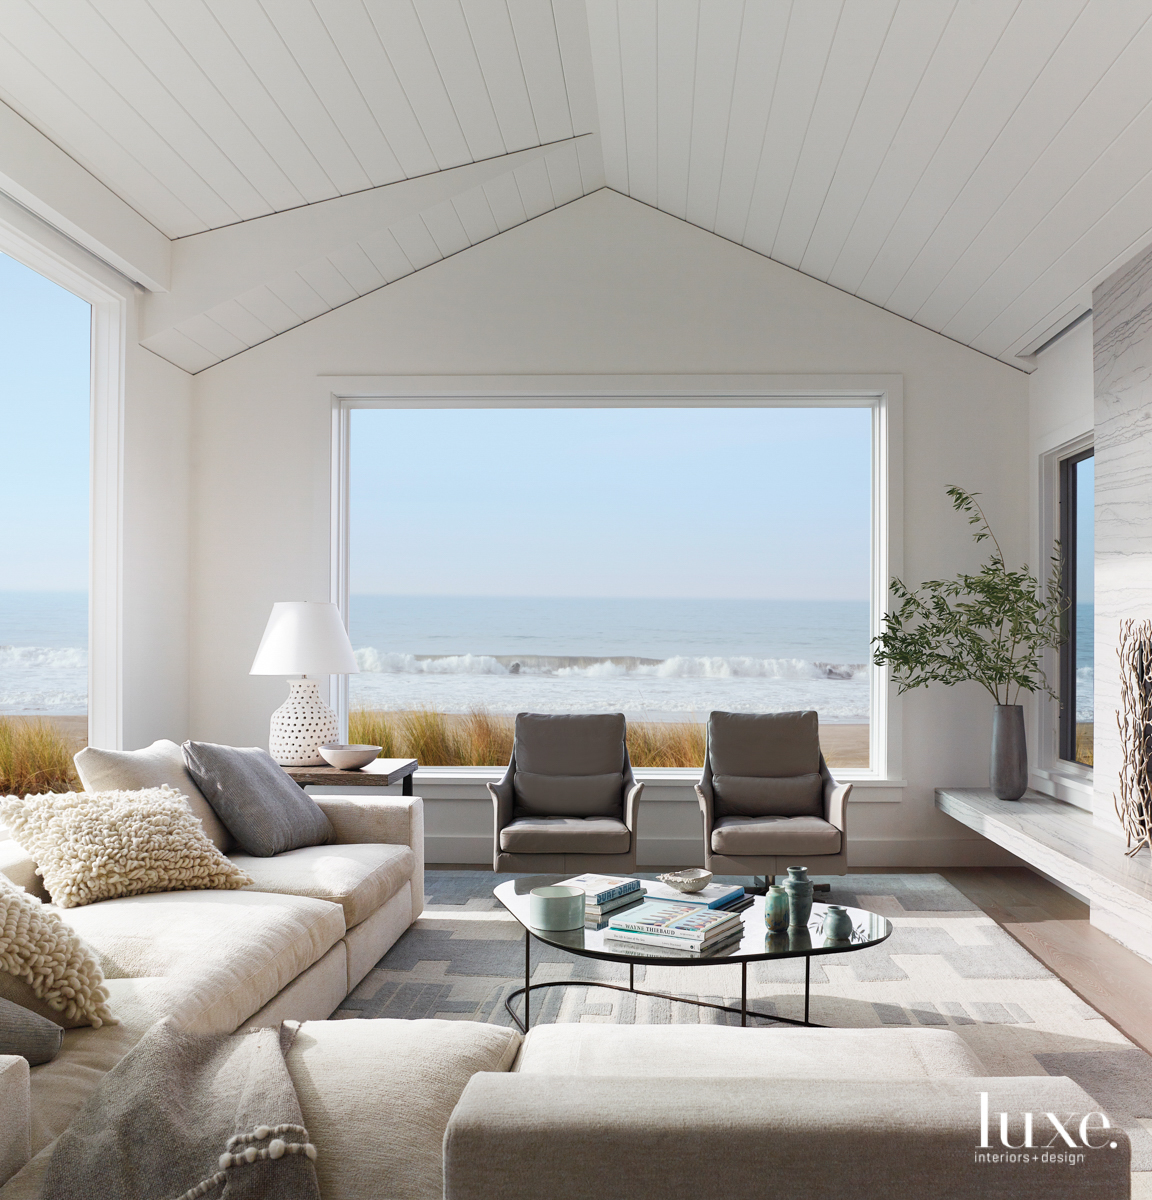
(379, 1094)
(775, 835)
(264, 810)
(226, 953)
(44, 966)
(565, 835)
(359, 878)
(719, 1051)
(562, 744)
(19, 866)
(93, 846)
(757, 796)
(568, 795)
(28, 1034)
(765, 744)
(158, 765)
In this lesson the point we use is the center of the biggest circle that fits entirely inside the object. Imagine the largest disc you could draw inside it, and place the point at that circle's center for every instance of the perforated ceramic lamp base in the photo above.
(301, 725)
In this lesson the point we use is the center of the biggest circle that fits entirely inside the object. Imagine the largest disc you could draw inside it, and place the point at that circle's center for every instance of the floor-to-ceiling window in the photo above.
(1077, 661)
(44, 428)
(662, 562)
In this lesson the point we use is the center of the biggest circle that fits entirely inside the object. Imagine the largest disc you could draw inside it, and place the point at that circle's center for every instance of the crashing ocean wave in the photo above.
(621, 667)
(42, 658)
(43, 679)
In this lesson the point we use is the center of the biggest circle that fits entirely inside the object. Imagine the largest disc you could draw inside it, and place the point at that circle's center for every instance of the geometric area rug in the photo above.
(947, 965)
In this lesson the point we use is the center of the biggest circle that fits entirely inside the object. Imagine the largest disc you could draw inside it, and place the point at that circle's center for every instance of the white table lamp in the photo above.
(303, 637)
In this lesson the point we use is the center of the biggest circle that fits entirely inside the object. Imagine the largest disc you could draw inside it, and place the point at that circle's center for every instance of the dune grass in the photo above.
(1084, 733)
(483, 739)
(35, 757)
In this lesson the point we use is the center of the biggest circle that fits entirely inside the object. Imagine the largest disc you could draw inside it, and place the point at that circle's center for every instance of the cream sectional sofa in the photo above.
(291, 946)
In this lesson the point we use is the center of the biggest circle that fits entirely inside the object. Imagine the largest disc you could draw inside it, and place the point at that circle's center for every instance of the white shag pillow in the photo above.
(44, 966)
(101, 845)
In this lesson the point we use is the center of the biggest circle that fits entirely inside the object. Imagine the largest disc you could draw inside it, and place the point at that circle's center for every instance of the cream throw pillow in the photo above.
(100, 845)
(44, 966)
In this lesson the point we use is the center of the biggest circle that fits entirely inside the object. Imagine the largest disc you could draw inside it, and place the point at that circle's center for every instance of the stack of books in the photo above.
(676, 925)
(715, 895)
(604, 894)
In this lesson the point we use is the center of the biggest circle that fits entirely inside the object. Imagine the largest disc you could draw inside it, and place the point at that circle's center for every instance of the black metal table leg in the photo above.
(743, 993)
(631, 977)
(528, 978)
(406, 786)
(807, 983)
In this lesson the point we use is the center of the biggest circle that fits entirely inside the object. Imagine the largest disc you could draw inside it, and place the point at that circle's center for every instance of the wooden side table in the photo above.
(381, 772)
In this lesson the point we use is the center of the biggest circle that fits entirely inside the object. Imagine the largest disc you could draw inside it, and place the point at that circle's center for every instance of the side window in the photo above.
(1077, 541)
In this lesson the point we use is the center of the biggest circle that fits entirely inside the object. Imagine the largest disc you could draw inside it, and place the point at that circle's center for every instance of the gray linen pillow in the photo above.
(28, 1034)
(262, 808)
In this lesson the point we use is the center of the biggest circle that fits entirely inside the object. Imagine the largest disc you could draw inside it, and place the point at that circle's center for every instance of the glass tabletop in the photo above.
(592, 941)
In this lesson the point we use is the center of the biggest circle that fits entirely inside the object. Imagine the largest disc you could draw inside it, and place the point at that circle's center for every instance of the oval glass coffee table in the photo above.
(757, 945)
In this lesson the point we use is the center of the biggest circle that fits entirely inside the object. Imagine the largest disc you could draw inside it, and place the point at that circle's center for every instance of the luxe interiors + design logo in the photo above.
(1048, 1140)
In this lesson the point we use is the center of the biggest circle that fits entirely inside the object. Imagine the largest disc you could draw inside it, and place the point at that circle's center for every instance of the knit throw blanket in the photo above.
(187, 1115)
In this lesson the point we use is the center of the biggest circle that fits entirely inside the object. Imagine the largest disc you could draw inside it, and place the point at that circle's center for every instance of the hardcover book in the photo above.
(599, 889)
(688, 921)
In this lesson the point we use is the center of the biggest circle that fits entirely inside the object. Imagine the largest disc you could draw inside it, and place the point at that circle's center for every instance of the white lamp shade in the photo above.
(305, 637)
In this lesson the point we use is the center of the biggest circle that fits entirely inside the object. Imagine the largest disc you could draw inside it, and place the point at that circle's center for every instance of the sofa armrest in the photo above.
(649, 1138)
(15, 1116)
(387, 820)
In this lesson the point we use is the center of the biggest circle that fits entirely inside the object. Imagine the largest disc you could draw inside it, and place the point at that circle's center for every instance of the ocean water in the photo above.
(655, 659)
(44, 652)
(650, 659)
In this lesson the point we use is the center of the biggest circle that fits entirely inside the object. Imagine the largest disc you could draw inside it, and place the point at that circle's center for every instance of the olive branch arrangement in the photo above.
(991, 627)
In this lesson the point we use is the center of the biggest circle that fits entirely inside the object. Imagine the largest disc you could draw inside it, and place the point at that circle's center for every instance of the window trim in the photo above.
(1068, 781)
(1069, 551)
(29, 240)
(883, 394)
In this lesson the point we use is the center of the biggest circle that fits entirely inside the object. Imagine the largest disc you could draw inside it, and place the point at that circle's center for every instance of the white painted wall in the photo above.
(1060, 412)
(604, 285)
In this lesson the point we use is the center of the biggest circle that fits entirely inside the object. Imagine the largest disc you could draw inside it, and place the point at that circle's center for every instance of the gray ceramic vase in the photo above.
(776, 909)
(1009, 769)
(799, 889)
(838, 924)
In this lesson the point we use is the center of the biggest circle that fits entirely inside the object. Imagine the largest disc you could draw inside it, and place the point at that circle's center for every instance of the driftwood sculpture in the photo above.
(1134, 803)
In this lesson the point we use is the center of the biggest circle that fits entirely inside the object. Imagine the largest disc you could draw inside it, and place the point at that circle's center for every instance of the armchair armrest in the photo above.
(836, 803)
(386, 820)
(15, 1116)
(503, 800)
(632, 808)
(647, 1138)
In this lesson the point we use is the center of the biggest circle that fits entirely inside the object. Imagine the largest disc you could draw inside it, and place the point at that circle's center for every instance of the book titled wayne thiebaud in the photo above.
(687, 926)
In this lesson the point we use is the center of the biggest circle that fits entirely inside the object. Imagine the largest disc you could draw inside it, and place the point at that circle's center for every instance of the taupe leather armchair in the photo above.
(568, 801)
(768, 799)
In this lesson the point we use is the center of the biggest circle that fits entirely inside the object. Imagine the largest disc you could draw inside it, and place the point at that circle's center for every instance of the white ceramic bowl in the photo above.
(692, 879)
(349, 758)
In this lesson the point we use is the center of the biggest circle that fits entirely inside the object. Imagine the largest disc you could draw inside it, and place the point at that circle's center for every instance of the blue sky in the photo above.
(44, 390)
(718, 502)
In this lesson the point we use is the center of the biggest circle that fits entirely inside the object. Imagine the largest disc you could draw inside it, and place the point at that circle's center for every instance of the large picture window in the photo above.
(1077, 661)
(662, 562)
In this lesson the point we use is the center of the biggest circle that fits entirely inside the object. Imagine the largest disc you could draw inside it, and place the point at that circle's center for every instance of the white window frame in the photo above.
(1068, 781)
(882, 394)
(38, 246)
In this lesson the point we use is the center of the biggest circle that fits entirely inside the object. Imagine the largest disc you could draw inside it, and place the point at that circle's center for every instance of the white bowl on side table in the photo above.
(349, 758)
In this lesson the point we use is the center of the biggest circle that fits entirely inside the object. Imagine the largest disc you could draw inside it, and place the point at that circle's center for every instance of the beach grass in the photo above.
(35, 756)
(483, 739)
(1084, 733)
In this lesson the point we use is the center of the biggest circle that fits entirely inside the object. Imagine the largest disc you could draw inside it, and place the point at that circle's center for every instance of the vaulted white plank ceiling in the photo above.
(973, 165)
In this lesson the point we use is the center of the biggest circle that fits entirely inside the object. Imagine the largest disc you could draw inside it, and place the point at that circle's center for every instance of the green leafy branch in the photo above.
(991, 627)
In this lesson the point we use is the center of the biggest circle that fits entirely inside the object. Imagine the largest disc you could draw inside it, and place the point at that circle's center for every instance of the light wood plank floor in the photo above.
(1054, 927)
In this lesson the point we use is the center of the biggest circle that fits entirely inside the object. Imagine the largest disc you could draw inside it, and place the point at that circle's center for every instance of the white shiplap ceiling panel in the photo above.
(963, 163)
(204, 113)
(973, 165)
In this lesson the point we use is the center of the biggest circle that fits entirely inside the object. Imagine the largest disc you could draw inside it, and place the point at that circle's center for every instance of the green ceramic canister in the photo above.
(776, 909)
